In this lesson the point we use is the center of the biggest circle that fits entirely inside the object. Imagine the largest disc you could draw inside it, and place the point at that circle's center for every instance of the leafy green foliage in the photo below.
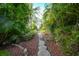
(4, 53)
(64, 20)
(14, 19)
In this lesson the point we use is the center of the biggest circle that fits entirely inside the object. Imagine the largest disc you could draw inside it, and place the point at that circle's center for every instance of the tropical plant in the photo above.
(62, 20)
(14, 19)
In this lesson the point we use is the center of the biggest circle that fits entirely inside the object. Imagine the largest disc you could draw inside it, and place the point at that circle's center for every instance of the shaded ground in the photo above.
(30, 45)
(53, 47)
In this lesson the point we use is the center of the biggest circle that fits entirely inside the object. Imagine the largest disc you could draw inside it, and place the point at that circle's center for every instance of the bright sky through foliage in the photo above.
(40, 13)
(41, 6)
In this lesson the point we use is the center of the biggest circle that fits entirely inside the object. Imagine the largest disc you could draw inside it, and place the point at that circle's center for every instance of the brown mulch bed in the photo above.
(31, 46)
(54, 48)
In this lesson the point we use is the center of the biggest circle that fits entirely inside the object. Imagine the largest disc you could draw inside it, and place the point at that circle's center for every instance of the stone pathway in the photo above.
(42, 49)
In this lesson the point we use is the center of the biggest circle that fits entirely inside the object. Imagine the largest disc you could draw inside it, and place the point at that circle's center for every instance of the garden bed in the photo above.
(54, 48)
(31, 46)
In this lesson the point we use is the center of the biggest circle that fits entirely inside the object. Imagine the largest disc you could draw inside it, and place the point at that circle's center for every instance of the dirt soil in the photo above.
(30, 45)
(54, 48)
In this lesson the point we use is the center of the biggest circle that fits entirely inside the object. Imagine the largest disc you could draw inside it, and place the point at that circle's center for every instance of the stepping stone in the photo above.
(41, 42)
(42, 47)
(43, 53)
